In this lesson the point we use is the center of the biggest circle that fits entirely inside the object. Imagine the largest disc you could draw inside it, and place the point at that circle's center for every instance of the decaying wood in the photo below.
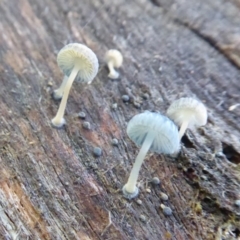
(51, 185)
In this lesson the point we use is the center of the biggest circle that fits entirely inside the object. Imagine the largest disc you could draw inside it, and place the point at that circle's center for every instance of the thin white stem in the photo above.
(57, 120)
(112, 72)
(183, 128)
(231, 108)
(130, 186)
(58, 93)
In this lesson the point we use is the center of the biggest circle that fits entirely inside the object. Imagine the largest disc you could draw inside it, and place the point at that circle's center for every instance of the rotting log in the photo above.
(51, 185)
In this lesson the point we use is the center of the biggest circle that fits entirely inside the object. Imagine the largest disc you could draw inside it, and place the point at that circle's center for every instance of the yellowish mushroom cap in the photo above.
(76, 54)
(115, 57)
(188, 110)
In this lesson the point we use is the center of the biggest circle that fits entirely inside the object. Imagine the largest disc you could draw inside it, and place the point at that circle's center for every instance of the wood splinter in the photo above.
(109, 223)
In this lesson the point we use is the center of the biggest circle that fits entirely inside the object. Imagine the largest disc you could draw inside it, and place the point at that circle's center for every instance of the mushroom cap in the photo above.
(115, 56)
(78, 54)
(166, 138)
(188, 109)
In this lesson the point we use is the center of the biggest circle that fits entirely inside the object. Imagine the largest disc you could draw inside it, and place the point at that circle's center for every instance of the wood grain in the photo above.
(51, 185)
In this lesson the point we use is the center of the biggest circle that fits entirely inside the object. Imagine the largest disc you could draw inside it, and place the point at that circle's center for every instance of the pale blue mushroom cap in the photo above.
(166, 138)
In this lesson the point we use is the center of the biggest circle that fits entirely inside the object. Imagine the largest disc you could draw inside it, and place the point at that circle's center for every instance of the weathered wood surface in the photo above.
(51, 186)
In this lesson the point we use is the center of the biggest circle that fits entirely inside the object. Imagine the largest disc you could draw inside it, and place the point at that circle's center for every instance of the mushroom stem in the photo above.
(183, 128)
(112, 72)
(58, 93)
(58, 120)
(130, 186)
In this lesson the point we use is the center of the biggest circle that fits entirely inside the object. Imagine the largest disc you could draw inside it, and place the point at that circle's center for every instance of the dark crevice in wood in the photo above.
(208, 39)
(204, 171)
(231, 154)
(190, 174)
(187, 143)
(236, 232)
(156, 3)
(209, 205)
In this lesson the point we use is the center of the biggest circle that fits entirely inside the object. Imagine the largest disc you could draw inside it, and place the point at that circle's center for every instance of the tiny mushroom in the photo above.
(231, 108)
(58, 93)
(237, 203)
(152, 131)
(114, 59)
(167, 211)
(187, 113)
(77, 62)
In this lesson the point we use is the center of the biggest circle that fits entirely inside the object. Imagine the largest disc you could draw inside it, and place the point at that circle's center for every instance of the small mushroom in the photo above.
(231, 108)
(163, 196)
(125, 98)
(156, 181)
(82, 115)
(139, 202)
(97, 151)
(143, 218)
(152, 131)
(114, 142)
(58, 93)
(237, 203)
(167, 211)
(86, 125)
(187, 113)
(77, 62)
(114, 59)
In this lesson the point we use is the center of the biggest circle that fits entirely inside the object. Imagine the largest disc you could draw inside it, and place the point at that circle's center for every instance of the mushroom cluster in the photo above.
(155, 132)
(151, 131)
